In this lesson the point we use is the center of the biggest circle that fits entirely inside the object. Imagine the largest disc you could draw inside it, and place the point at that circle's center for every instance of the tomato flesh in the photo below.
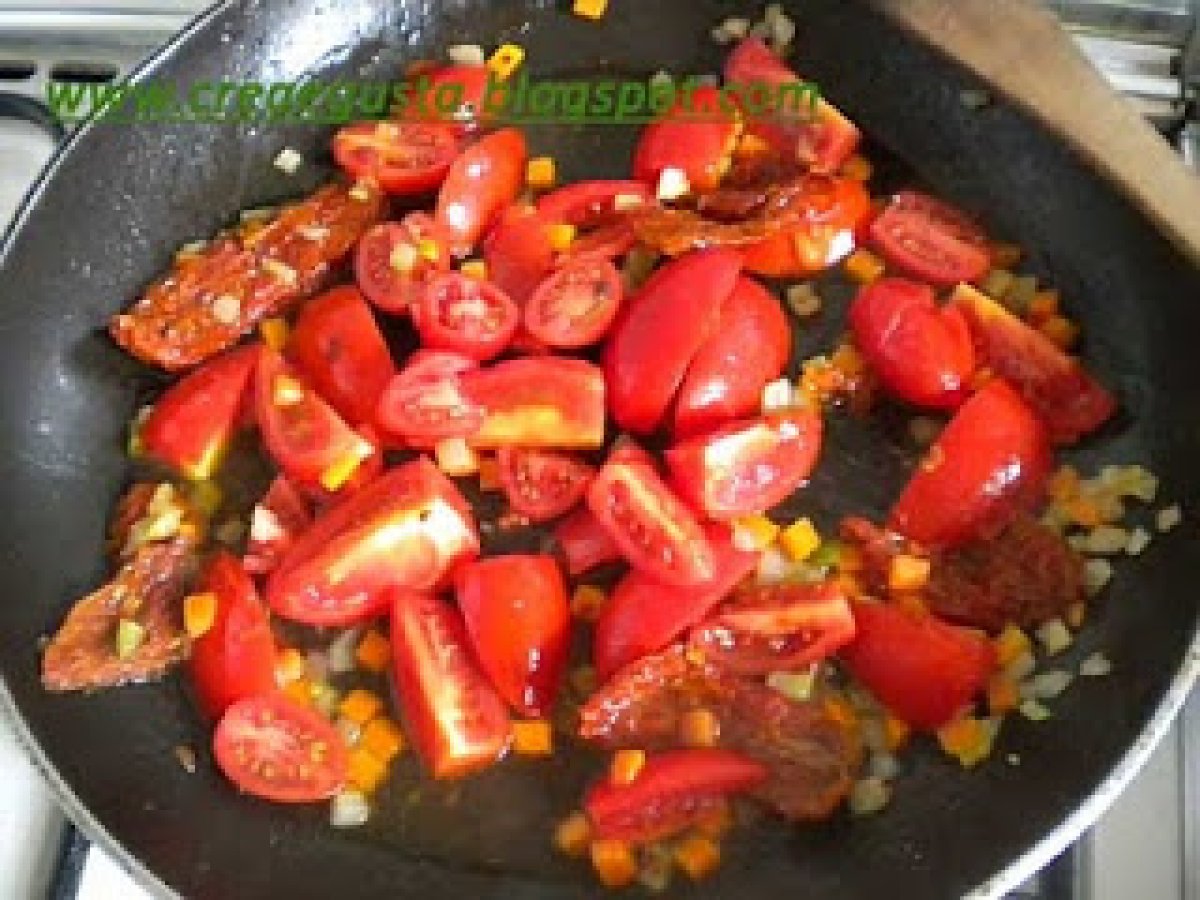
(401, 157)
(485, 178)
(425, 403)
(700, 150)
(575, 305)
(465, 83)
(518, 252)
(276, 522)
(835, 209)
(591, 208)
(390, 268)
(542, 484)
(584, 542)
(931, 240)
(537, 402)
(465, 315)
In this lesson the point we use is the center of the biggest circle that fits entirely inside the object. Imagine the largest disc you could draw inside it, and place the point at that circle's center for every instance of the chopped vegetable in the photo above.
(627, 765)
(573, 835)
(374, 652)
(1054, 636)
(505, 61)
(800, 540)
(199, 613)
(1095, 666)
(908, 573)
(288, 160)
(698, 856)
(533, 738)
(367, 771)
(361, 706)
(752, 533)
(863, 266)
(540, 173)
(130, 635)
(869, 796)
(1034, 710)
(349, 809)
(1168, 517)
(614, 862)
(590, 9)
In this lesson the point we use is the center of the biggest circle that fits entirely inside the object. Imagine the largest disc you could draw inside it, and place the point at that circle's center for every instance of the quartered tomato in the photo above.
(276, 749)
(591, 207)
(746, 467)
(542, 484)
(338, 348)
(276, 522)
(671, 792)
(466, 84)
(404, 530)
(455, 718)
(834, 210)
(482, 181)
(191, 424)
(519, 623)
(990, 461)
(465, 315)
(920, 352)
(235, 658)
(1069, 400)
(394, 260)
(575, 305)
(369, 467)
(401, 157)
(922, 669)
(518, 252)
(425, 403)
(584, 542)
(931, 240)
(701, 150)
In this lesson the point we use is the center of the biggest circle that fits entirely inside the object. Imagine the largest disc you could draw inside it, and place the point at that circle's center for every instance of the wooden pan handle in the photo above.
(1019, 48)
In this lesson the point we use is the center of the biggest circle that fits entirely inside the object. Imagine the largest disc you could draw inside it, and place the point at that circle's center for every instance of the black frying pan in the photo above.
(117, 201)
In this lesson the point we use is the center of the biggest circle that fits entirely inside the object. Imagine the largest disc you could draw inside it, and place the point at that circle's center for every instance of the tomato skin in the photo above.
(930, 240)
(485, 178)
(518, 252)
(544, 401)
(668, 793)
(235, 658)
(659, 332)
(519, 622)
(590, 207)
(472, 82)
(922, 669)
(701, 150)
(277, 521)
(467, 316)
(584, 542)
(835, 211)
(575, 305)
(424, 402)
(990, 461)
(542, 484)
(922, 354)
(749, 348)
(191, 424)
(1069, 400)
(386, 288)
(749, 466)
(405, 530)
(403, 158)
(270, 731)
(456, 719)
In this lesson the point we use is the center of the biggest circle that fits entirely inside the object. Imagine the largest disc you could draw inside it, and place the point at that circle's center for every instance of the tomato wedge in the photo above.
(405, 530)
(276, 749)
(660, 331)
(777, 628)
(424, 402)
(584, 542)
(457, 721)
(922, 669)
(389, 266)
(542, 484)
(835, 209)
(485, 178)
(518, 252)
(701, 150)
(465, 315)
(921, 353)
(276, 522)
(592, 208)
(235, 658)
(401, 157)
(746, 467)
(465, 85)
(519, 623)
(990, 461)
(670, 793)
(1069, 400)
(931, 240)
(575, 305)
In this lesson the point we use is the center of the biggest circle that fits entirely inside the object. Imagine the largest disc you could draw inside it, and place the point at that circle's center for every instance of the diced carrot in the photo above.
(849, 584)
(590, 9)
(896, 732)
(908, 573)
(858, 168)
(1076, 613)
(841, 712)
(698, 856)
(289, 666)
(967, 739)
(534, 737)
(1043, 305)
(1005, 256)
(573, 835)
(300, 690)
(699, 728)
(614, 863)
(751, 146)
(1061, 330)
(587, 601)
(848, 362)
(383, 738)
(627, 765)
(1084, 512)
(1011, 643)
(715, 821)
(474, 268)
(562, 235)
(540, 173)
(374, 652)
(360, 706)
(850, 558)
(199, 613)
(1063, 484)
(1002, 696)
(274, 333)
(800, 539)
(863, 266)
(366, 771)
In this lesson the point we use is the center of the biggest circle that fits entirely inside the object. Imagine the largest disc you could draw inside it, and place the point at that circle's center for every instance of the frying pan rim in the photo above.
(1017, 871)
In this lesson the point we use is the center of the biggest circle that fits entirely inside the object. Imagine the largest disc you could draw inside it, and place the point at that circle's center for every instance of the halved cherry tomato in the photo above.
(590, 206)
(931, 240)
(921, 353)
(542, 484)
(656, 532)
(465, 315)
(575, 305)
(235, 658)
(701, 150)
(584, 542)
(401, 157)
(485, 178)
(276, 522)
(466, 84)
(425, 403)
(518, 252)
(390, 268)
(1070, 401)
(643, 616)
(670, 793)
(777, 628)
(404, 530)
(746, 467)
(519, 623)
(750, 347)
(659, 332)
(276, 749)
(835, 209)
(456, 719)
(989, 462)
(339, 349)
(922, 669)
(542, 401)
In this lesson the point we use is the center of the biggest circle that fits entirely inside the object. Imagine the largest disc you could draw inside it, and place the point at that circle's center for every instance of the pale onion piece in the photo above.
(874, 733)
(782, 28)
(1034, 710)
(349, 809)
(1054, 636)
(803, 299)
(1168, 517)
(326, 699)
(1106, 540)
(455, 457)
(883, 765)
(316, 665)
(314, 232)
(1013, 759)
(1097, 573)
(341, 651)
(1139, 540)
(193, 248)
(661, 78)
(773, 566)
(264, 525)
(1020, 668)
(361, 191)
(720, 36)
(778, 396)
(627, 201)
(289, 160)
(760, 30)
(868, 796)
(1047, 685)
(736, 27)
(403, 257)
(466, 54)
(280, 270)
(672, 184)
(227, 309)
(257, 213)
(1095, 666)
(795, 685)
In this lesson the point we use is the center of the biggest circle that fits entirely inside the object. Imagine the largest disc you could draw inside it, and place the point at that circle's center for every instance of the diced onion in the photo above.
(803, 300)
(257, 214)
(1020, 668)
(1095, 666)
(1054, 636)
(227, 309)
(672, 184)
(1139, 540)
(466, 54)
(884, 765)
(288, 160)
(1168, 517)
(1105, 540)
(795, 685)
(868, 796)
(1047, 685)
(349, 809)
(1097, 573)
(1034, 710)
(661, 78)
(341, 651)
(778, 395)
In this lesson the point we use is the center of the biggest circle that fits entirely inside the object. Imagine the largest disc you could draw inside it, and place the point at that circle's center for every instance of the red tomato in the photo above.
(660, 331)
(777, 628)
(656, 532)
(519, 623)
(401, 157)
(465, 315)
(584, 542)
(835, 210)
(749, 348)
(922, 669)
(367, 471)
(542, 484)
(389, 266)
(276, 749)
(276, 522)
(672, 790)
(575, 305)
(590, 206)
(518, 252)
(339, 349)
(235, 658)
(989, 462)
(482, 181)
(702, 150)
(405, 530)
(425, 403)
(931, 240)
(921, 353)
(746, 467)
(192, 422)
(1069, 400)
(542, 401)
(455, 718)
(463, 86)
(642, 616)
